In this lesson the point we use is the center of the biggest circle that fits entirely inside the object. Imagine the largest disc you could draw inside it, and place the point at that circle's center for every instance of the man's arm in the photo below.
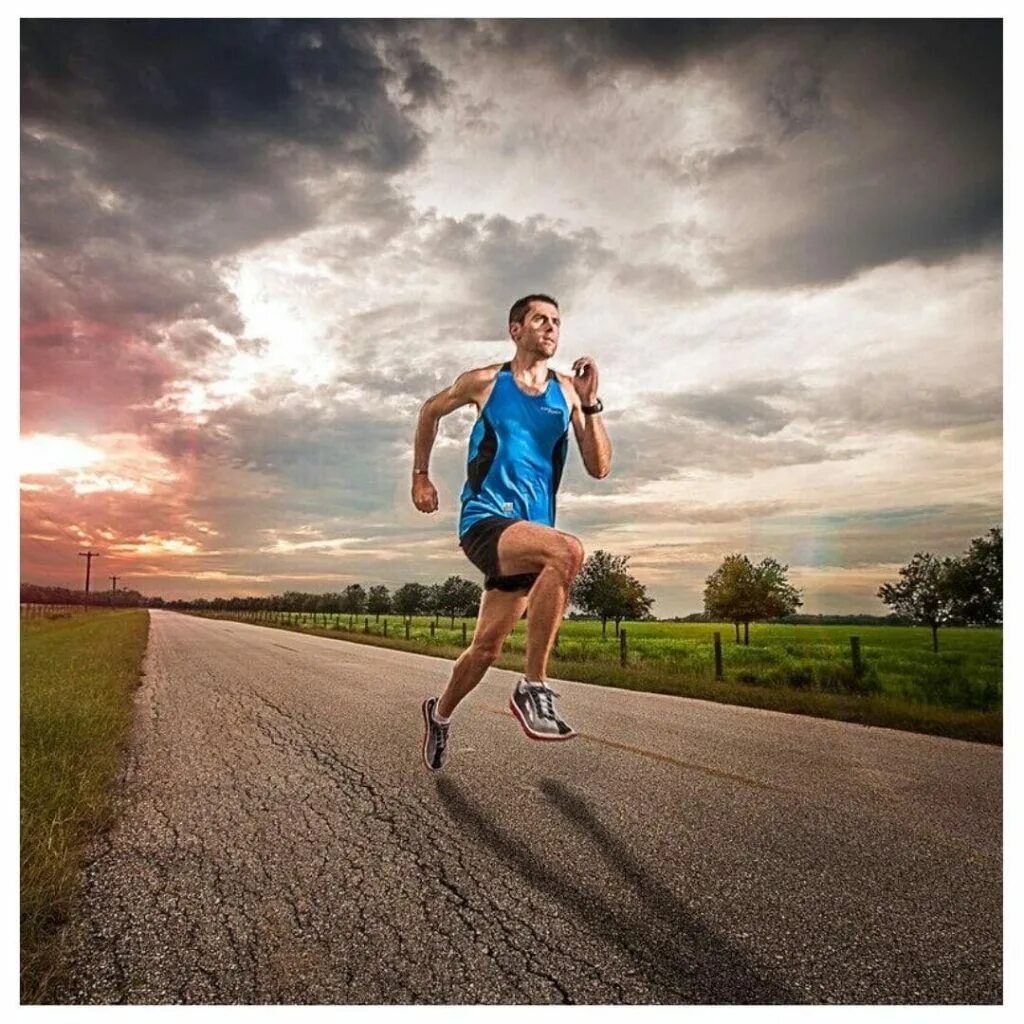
(464, 391)
(595, 448)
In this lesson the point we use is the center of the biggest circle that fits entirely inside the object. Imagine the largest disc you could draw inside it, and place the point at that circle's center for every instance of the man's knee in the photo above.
(577, 553)
(569, 556)
(488, 647)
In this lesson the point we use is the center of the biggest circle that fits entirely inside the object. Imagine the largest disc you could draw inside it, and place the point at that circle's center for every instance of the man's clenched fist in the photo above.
(424, 493)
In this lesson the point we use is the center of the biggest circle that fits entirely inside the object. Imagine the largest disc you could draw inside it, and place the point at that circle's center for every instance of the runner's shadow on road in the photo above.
(676, 950)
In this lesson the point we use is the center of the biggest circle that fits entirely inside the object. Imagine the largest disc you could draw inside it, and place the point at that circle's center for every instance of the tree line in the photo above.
(930, 591)
(604, 589)
(454, 597)
(34, 593)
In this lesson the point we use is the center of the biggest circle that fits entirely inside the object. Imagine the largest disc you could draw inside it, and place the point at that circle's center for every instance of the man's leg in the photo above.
(558, 558)
(499, 611)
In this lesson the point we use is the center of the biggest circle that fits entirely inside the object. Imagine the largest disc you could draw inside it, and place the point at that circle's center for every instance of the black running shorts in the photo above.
(480, 543)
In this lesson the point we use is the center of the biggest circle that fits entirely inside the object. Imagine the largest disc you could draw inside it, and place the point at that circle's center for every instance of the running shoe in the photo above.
(534, 705)
(435, 737)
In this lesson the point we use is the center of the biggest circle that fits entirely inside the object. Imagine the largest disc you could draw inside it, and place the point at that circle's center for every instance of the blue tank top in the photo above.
(517, 453)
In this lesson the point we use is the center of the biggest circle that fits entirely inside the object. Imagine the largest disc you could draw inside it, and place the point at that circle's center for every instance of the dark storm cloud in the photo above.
(153, 148)
(423, 83)
(888, 146)
(587, 52)
(236, 94)
(876, 140)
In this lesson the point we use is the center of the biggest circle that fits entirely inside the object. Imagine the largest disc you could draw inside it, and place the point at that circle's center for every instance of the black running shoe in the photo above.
(435, 737)
(533, 704)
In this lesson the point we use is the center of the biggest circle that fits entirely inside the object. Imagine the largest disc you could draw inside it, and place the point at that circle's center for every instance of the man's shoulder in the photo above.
(479, 376)
(485, 372)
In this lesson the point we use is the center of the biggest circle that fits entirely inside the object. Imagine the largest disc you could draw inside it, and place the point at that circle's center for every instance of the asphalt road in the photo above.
(280, 841)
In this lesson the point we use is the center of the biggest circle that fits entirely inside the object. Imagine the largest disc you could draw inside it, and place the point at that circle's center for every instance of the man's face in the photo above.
(538, 333)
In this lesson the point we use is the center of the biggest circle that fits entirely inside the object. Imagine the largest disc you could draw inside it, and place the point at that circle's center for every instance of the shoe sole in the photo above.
(426, 736)
(537, 735)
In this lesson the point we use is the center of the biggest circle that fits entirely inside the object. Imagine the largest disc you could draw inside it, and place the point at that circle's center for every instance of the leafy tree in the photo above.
(628, 599)
(433, 605)
(354, 601)
(455, 595)
(378, 602)
(925, 593)
(740, 592)
(471, 594)
(730, 592)
(410, 599)
(976, 581)
(778, 596)
(604, 588)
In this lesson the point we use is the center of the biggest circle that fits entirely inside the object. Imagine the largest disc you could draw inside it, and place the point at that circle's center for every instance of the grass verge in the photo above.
(77, 678)
(891, 711)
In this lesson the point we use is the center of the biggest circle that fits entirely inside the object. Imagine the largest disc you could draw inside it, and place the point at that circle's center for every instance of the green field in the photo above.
(799, 668)
(78, 673)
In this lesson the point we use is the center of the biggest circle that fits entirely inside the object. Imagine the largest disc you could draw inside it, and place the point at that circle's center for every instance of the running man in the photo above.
(517, 451)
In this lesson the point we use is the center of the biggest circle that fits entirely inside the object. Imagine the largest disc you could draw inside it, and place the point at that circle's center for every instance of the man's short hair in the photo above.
(520, 306)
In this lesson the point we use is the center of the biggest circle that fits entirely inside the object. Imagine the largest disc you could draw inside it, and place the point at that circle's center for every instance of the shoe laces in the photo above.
(440, 732)
(542, 699)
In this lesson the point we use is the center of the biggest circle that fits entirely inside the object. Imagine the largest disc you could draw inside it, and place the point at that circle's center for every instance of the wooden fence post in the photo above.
(858, 667)
(366, 625)
(718, 655)
(623, 650)
(432, 629)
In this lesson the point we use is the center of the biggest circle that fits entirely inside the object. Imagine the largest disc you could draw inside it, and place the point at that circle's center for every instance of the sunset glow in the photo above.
(47, 455)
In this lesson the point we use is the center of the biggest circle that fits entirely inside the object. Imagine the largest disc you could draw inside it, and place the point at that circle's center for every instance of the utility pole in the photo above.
(88, 556)
(113, 588)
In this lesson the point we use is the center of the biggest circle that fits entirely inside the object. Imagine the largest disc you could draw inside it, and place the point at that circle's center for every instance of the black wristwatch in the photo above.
(590, 410)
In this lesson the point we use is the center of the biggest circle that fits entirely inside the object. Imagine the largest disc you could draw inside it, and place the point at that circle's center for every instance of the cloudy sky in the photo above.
(251, 249)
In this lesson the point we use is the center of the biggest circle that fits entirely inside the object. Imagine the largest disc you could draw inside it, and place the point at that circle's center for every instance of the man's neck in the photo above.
(530, 370)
